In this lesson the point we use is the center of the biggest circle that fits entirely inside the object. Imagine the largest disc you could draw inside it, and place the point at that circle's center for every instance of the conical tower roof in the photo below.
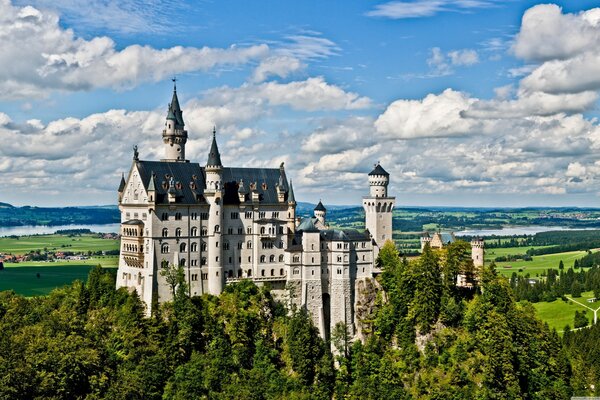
(214, 157)
(320, 207)
(174, 113)
(122, 184)
(291, 197)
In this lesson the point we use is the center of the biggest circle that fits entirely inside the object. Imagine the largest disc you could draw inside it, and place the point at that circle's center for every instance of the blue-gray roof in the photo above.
(346, 235)
(190, 181)
(378, 170)
(307, 225)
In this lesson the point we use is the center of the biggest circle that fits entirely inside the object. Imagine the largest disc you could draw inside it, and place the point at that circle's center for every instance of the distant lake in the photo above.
(516, 230)
(44, 229)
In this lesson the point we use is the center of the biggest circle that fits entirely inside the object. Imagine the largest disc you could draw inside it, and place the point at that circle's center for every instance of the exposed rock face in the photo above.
(367, 290)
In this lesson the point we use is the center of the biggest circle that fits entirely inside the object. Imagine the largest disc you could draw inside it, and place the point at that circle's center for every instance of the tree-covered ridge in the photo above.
(53, 216)
(426, 338)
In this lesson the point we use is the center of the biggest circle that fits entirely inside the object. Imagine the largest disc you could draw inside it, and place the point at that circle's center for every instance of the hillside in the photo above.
(52, 216)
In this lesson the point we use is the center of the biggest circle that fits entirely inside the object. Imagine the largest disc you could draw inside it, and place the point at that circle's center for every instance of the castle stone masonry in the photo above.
(224, 224)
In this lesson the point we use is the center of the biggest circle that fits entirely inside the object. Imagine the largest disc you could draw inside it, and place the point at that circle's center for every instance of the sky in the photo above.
(464, 102)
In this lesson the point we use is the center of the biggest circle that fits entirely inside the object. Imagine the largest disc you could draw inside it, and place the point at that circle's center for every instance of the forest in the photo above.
(426, 338)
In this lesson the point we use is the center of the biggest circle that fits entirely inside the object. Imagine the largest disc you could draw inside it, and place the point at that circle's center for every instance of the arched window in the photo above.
(272, 258)
(281, 271)
(262, 259)
(281, 258)
(194, 231)
(182, 262)
(178, 216)
(165, 232)
(216, 228)
(194, 247)
(164, 248)
(249, 244)
(262, 230)
(178, 232)
(204, 246)
(272, 272)
(249, 272)
(182, 247)
(203, 261)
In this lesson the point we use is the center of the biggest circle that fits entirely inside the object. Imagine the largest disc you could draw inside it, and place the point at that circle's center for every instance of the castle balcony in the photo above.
(268, 236)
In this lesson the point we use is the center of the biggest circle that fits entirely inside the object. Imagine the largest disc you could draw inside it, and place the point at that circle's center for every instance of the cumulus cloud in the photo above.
(281, 66)
(39, 55)
(435, 115)
(565, 46)
(311, 94)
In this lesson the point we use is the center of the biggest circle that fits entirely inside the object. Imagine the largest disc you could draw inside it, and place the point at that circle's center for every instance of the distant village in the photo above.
(52, 255)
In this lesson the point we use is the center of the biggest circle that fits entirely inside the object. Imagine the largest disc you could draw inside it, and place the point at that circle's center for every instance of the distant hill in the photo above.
(52, 216)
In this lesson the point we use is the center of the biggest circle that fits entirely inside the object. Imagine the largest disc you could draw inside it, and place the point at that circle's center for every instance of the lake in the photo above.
(516, 230)
(44, 229)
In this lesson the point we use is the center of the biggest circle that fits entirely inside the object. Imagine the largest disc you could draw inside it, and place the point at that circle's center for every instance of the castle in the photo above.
(223, 224)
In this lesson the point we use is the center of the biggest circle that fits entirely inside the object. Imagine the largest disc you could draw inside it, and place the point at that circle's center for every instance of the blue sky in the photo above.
(464, 102)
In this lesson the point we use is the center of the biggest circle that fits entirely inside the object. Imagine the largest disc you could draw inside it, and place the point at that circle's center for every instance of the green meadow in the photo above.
(536, 266)
(559, 313)
(39, 281)
(82, 243)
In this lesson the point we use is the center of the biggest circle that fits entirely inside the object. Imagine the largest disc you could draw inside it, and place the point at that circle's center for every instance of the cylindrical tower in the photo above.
(477, 251)
(378, 182)
(214, 196)
(174, 135)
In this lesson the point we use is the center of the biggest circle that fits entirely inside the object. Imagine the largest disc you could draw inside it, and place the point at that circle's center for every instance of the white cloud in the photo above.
(463, 57)
(424, 8)
(39, 55)
(124, 16)
(546, 33)
(434, 116)
(311, 94)
(281, 66)
(565, 46)
(441, 63)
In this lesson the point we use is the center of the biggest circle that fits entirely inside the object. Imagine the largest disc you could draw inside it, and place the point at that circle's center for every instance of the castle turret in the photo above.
(121, 187)
(174, 135)
(214, 196)
(477, 251)
(320, 213)
(291, 220)
(378, 208)
(425, 239)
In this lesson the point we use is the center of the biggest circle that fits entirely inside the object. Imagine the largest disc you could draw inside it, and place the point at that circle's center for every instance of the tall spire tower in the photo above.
(174, 135)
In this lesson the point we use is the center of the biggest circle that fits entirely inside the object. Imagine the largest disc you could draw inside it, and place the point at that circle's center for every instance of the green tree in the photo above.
(581, 319)
(174, 276)
(425, 276)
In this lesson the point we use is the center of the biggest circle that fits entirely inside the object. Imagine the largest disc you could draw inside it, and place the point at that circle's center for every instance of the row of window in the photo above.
(204, 231)
(204, 215)
(135, 216)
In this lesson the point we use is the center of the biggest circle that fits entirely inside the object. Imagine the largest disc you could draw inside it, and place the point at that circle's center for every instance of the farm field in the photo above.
(539, 263)
(559, 314)
(25, 281)
(104, 261)
(83, 243)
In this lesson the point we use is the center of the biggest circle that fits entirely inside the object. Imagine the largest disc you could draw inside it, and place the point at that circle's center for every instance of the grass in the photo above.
(25, 281)
(539, 263)
(104, 261)
(559, 314)
(83, 243)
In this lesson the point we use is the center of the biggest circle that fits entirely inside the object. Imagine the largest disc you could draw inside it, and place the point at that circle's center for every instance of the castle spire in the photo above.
(174, 134)
(122, 184)
(291, 198)
(214, 157)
